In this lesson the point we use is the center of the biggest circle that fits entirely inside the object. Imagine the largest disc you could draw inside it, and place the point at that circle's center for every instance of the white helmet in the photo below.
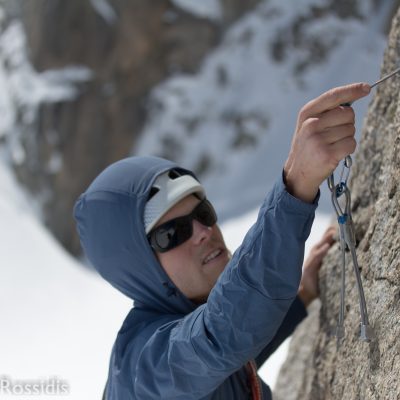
(168, 189)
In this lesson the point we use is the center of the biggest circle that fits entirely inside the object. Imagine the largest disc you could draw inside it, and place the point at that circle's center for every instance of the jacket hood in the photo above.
(109, 216)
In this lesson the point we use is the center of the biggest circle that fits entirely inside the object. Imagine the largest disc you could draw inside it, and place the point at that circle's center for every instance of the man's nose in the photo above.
(201, 232)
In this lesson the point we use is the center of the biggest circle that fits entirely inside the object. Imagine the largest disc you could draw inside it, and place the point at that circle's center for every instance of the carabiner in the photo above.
(347, 163)
(344, 176)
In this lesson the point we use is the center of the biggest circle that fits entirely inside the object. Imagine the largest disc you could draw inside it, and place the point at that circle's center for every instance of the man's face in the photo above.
(195, 265)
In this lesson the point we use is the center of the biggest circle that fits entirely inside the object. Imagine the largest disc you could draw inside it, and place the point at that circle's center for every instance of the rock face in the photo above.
(318, 368)
(129, 46)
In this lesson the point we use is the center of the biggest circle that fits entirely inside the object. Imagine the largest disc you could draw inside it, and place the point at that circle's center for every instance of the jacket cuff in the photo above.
(293, 201)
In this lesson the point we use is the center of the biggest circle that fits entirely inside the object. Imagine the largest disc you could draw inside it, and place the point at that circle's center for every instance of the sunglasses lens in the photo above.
(205, 213)
(183, 230)
(177, 231)
(164, 236)
(171, 234)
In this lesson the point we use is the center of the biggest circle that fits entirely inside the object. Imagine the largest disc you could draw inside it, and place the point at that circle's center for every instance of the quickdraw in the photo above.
(347, 239)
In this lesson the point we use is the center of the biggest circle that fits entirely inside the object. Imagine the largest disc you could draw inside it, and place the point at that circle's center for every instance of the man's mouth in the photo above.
(212, 256)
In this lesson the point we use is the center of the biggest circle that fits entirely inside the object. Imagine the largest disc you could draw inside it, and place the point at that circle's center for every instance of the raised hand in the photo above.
(324, 135)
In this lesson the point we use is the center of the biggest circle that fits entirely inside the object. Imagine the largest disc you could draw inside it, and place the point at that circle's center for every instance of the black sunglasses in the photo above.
(178, 230)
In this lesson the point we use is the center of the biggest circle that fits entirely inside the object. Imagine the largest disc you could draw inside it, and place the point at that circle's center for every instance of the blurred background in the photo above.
(215, 85)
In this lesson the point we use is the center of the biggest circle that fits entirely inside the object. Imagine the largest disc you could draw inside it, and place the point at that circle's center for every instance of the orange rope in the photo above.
(254, 382)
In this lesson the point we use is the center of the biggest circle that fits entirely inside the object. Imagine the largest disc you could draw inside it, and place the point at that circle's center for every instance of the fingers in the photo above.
(329, 234)
(338, 133)
(340, 117)
(334, 98)
(328, 238)
(315, 258)
(336, 117)
(324, 135)
(342, 148)
(331, 231)
(334, 127)
(322, 250)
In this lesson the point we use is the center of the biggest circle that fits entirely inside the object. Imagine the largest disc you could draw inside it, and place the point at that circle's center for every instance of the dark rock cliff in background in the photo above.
(317, 368)
(129, 50)
(125, 48)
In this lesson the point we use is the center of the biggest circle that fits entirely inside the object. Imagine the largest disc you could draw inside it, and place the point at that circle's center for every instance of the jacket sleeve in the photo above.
(297, 312)
(190, 358)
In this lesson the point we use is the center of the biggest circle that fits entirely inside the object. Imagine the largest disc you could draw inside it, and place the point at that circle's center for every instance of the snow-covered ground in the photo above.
(59, 320)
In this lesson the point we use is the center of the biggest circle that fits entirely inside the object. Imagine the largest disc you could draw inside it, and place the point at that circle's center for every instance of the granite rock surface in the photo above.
(319, 367)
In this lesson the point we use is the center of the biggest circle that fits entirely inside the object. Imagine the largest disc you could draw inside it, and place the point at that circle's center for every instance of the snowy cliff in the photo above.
(215, 85)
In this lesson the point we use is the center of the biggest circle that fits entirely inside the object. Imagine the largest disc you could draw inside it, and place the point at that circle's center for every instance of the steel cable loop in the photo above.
(347, 238)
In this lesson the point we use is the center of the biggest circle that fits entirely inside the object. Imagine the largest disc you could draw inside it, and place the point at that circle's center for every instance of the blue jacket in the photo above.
(168, 347)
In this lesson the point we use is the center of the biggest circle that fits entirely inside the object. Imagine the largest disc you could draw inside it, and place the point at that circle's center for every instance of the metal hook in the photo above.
(339, 189)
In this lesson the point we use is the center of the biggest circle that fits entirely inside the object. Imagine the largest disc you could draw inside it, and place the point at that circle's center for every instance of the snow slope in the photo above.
(57, 318)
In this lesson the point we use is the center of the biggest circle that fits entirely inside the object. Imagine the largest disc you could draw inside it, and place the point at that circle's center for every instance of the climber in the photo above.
(204, 320)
